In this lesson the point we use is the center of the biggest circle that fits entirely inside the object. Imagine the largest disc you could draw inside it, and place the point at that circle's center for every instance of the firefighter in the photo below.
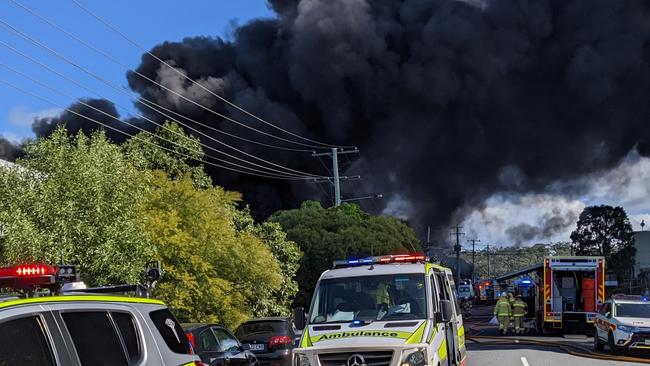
(503, 312)
(518, 313)
(511, 299)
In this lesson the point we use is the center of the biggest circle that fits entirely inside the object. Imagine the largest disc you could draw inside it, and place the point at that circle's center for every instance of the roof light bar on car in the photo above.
(385, 259)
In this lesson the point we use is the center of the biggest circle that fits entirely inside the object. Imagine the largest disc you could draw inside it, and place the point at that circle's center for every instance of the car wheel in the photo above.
(612, 345)
(598, 344)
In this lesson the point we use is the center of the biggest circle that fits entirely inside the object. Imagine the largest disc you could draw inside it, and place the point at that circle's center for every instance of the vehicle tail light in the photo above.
(277, 341)
(190, 337)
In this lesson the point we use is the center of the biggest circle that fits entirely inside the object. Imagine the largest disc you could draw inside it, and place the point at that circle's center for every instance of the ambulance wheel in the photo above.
(612, 345)
(598, 344)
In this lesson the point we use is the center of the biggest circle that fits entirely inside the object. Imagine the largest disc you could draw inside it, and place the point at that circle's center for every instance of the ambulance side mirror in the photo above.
(299, 318)
(608, 315)
(446, 311)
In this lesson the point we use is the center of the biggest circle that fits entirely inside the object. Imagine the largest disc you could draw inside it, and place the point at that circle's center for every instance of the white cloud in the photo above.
(21, 117)
(506, 219)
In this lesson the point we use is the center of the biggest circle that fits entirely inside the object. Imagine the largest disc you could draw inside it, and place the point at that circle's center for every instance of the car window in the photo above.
(226, 341)
(23, 342)
(171, 331)
(262, 327)
(207, 341)
(130, 336)
(94, 338)
(633, 310)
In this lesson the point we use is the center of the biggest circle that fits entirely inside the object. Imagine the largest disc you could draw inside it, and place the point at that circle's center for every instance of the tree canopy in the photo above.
(327, 234)
(605, 231)
(109, 209)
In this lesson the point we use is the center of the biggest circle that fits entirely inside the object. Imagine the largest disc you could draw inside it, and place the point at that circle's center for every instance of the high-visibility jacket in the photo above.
(382, 295)
(502, 308)
(519, 308)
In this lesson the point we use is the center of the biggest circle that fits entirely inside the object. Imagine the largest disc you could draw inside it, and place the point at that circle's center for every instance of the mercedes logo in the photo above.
(356, 360)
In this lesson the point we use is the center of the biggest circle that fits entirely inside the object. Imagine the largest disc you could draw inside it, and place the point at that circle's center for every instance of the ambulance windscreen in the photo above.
(369, 298)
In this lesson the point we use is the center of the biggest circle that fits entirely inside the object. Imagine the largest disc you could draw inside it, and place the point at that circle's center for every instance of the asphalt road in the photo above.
(521, 354)
(528, 356)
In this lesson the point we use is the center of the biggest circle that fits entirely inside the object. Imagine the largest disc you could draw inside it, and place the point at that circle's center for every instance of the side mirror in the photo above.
(608, 315)
(446, 311)
(299, 318)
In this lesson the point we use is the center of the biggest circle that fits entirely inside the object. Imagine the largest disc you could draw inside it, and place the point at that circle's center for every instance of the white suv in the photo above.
(623, 323)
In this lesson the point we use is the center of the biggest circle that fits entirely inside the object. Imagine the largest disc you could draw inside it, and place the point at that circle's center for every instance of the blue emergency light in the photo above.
(400, 258)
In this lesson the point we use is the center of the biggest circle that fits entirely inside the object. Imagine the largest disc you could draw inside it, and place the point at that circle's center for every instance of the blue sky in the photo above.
(147, 22)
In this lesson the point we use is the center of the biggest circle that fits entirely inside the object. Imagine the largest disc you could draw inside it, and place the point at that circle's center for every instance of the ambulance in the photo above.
(395, 310)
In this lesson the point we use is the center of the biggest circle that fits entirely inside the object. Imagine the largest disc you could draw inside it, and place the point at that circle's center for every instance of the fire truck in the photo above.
(571, 291)
(564, 294)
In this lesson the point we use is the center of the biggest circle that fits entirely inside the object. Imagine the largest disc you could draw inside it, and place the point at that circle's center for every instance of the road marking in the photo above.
(524, 361)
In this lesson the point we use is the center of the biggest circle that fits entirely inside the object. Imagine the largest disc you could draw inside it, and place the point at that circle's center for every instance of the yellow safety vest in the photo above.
(502, 308)
(519, 308)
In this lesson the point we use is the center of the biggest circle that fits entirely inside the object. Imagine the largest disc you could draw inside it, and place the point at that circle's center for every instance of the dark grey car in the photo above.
(270, 339)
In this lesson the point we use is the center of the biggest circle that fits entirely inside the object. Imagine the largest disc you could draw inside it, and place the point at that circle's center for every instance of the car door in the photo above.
(232, 350)
(451, 331)
(30, 336)
(208, 348)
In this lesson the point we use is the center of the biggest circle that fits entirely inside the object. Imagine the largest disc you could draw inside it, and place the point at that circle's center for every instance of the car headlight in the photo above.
(414, 357)
(303, 360)
(626, 328)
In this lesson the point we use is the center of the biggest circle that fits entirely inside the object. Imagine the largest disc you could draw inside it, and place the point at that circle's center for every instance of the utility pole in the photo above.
(473, 241)
(488, 260)
(428, 239)
(336, 178)
(457, 249)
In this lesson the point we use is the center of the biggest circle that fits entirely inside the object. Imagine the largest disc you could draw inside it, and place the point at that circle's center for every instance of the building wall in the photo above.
(642, 244)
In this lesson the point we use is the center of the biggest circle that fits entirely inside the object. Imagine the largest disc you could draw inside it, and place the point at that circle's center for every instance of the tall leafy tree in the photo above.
(325, 235)
(176, 157)
(76, 197)
(605, 231)
(288, 256)
(214, 272)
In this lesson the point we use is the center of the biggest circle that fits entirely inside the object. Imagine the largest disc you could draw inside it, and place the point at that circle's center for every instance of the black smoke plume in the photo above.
(8, 150)
(448, 100)
(85, 116)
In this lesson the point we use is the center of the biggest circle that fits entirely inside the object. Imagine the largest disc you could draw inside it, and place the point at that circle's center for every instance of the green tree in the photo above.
(214, 273)
(174, 158)
(508, 259)
(325, 235)
(605, 231)
(77, 197)
(288, 256)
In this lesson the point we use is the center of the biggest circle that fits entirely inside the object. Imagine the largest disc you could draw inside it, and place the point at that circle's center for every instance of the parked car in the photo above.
(271, 339)
(216, 346)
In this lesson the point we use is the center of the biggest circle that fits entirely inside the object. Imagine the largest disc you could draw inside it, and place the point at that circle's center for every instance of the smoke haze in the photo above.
(449, 101)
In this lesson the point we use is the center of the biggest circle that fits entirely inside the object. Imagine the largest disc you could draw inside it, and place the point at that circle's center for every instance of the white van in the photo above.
(395, 310)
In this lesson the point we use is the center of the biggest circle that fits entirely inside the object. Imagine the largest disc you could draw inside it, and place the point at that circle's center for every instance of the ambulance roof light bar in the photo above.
(32, 276)
(385, 259)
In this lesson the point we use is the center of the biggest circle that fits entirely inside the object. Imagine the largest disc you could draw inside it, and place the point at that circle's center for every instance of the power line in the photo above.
(273, 171)
(137, 138)
(94, 75)
(123, 35)
(126, 67)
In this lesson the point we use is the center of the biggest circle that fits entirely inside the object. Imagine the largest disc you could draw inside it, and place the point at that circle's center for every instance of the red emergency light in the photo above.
(403, 258)
(26, 276)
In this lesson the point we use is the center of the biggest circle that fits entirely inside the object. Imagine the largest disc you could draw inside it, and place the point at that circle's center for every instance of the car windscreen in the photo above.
(262, 327)
(633, 310)
(369, 298)
(463, 289)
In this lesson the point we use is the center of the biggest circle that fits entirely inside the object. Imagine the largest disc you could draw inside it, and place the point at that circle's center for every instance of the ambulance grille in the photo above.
(374, 358)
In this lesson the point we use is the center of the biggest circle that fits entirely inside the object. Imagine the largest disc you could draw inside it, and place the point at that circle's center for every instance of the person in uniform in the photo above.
(503, 312)
(518, 313)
